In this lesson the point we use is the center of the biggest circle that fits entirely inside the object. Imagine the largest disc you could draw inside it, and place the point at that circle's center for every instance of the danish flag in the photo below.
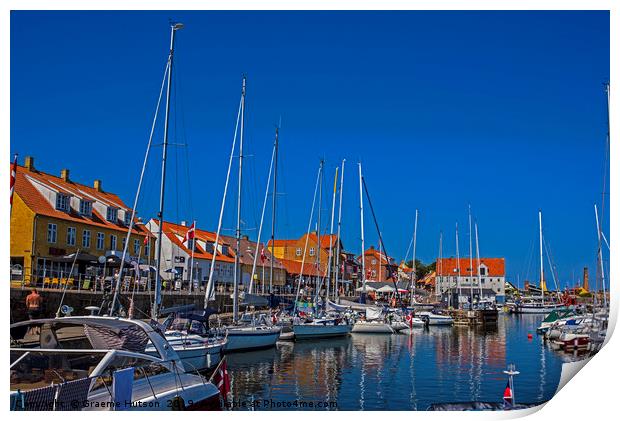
(191, 233)
(262, 254)
(508, 396)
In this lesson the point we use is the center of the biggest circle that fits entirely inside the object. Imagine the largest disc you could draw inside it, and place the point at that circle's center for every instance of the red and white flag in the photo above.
(508, 395)
(13, 175)
(190, 234)
(221, 379)
(146, 240)
(262, 254)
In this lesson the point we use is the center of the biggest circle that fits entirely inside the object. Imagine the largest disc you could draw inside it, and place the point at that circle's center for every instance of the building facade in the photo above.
(179, 265)
(56, 221)
(457, 274)
(378, 266)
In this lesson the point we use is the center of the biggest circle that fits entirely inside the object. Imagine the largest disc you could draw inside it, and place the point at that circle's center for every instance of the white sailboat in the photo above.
(534, 306)
(322, 325)
(256, 335)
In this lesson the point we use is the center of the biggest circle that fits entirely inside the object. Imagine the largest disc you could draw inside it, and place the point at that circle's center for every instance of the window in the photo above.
(86, 207)
(147, 248)
(51, 233)
(374, 261)
(190, 243)
(112, 242)
(298, 252)
(100, 240)
(136, 247)
(483, 270)
(124, 242)
(86, 239)
(62, 202)
(111, 214)
(127, 217)
(71, 236)
(312, 251)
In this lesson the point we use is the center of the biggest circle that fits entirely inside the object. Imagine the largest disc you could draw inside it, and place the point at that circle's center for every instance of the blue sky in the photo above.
(501, 110)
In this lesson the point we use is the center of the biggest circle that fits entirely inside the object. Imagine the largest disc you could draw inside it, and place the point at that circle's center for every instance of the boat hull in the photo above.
(250, 338)
(317, 331)
(372, 327)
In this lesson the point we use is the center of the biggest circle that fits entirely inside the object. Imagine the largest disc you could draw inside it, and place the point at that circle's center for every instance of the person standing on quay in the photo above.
(33, 304)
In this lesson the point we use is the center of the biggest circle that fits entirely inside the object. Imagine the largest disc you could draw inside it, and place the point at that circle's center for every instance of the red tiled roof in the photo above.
(281, 243)
(310, 269)
(35, 201)
(448, 266)
(172, 231)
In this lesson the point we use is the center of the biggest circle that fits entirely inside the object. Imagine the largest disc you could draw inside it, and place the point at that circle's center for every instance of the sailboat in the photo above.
(258, 333)
(534, 306)
(321, 324)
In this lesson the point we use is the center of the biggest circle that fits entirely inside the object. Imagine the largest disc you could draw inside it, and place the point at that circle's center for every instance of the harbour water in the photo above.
(399, 372)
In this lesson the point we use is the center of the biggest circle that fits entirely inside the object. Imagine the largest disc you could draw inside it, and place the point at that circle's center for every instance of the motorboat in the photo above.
(435, 319)
(197, 348)
(537, 307)
(100, 363)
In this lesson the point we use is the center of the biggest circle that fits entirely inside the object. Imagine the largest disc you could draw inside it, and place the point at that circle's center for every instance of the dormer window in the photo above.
(127, 217)
(224, 250)
(112, 214)
(86, 208)
(62, 202)
(483, 271)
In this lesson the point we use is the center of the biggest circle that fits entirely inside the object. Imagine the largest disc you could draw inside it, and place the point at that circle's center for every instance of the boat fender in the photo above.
(177, 404)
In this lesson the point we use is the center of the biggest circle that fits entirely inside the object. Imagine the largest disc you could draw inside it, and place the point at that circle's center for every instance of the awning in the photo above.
(81, 257)
(386, 288)
(367, 288)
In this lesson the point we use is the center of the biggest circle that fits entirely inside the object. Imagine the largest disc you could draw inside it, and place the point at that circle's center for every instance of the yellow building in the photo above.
(55, 217)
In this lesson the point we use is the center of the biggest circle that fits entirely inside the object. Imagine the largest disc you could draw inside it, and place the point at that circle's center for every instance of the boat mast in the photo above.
(336, 289)
(458, 267)
(237, 272)
(317, 255)
(273, 210)
(211, 281)
(160, 215)
(413, 272)
(363, 294)
(303, 259)
(600, 259)
(478, 259)
(331, 235)
(471, 266)
(437, 289)
(542, 273)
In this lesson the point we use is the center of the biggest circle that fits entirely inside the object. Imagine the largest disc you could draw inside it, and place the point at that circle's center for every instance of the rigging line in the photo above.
(183, 128)
(607, 91)
(381, 244)
(262, 217)
(219, 226)
(551, 265)
(303, 259)
(135, 203)
(176, 148)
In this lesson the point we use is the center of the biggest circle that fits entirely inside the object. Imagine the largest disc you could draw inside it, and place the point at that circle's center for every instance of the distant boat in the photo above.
(534, 306)
(326, 327)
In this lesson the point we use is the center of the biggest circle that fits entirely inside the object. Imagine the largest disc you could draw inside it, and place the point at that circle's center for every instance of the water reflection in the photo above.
(402, 372)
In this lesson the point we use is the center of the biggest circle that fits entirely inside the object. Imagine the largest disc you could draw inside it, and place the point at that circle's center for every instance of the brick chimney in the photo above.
(586, 285)
(64, 174)
(29, 163)
(97, 186)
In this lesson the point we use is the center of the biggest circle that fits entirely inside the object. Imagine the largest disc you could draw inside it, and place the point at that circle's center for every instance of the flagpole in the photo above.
(191, 268)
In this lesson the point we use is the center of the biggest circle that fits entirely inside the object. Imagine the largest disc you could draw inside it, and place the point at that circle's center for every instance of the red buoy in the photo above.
(529, 336)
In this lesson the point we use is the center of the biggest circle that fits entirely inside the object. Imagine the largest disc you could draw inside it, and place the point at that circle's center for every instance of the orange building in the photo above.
(378, 265)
